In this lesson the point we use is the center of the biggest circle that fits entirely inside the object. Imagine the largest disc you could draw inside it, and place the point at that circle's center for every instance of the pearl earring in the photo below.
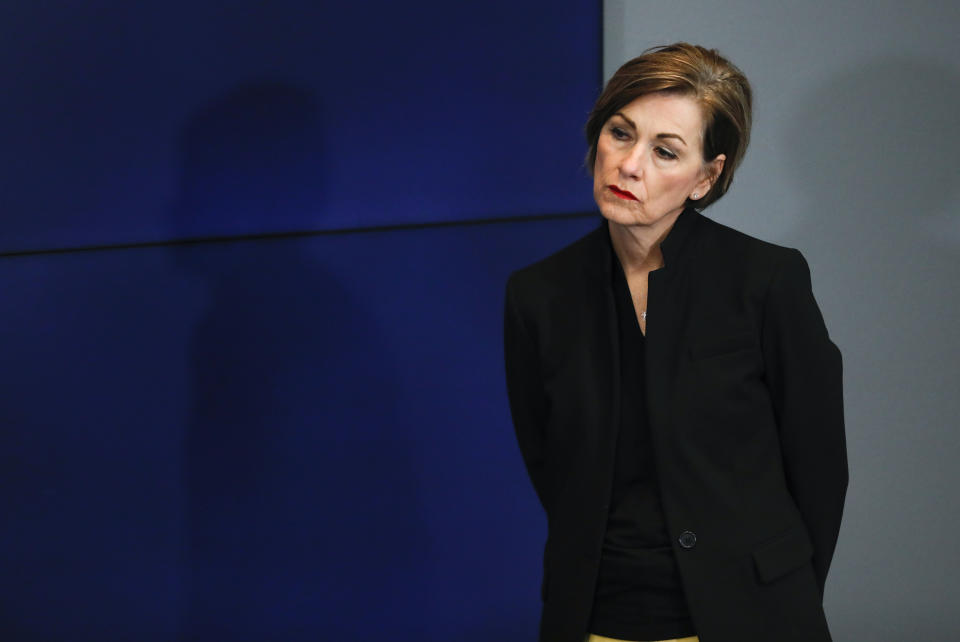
(695, 195)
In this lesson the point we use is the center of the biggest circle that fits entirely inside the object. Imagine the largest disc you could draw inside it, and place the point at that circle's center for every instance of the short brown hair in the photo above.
(721, 89)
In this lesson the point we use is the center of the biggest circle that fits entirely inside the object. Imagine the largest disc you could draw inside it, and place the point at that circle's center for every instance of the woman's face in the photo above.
(650, 160)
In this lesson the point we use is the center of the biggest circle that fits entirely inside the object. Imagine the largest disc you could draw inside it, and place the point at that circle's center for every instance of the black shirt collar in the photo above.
(673, 246)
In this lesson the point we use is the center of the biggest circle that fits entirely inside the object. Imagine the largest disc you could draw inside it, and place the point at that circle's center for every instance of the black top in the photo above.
(639, 595)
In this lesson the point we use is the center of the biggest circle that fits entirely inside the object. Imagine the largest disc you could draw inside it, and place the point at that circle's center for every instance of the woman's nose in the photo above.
(631, 165)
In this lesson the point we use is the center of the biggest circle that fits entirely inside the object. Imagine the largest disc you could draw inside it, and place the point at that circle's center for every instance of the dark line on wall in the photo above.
(279, 236)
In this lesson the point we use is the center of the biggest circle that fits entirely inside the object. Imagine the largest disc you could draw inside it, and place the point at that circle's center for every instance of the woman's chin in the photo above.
(633, 213)
(615, 213)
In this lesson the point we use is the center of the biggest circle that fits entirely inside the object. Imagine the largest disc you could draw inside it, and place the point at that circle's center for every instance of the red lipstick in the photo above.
(622, 193)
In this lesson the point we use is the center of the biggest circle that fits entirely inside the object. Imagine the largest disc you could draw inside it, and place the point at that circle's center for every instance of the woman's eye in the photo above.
(665, 153)
(619, 133)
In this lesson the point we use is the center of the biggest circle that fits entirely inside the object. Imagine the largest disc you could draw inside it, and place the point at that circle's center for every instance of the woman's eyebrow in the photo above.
(629, 122)
(668, 135)
(661, 136)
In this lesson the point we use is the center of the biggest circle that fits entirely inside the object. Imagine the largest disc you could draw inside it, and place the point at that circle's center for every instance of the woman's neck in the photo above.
(638, 246)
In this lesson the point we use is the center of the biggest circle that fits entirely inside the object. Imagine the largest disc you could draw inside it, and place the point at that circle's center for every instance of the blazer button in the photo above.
(688, 539)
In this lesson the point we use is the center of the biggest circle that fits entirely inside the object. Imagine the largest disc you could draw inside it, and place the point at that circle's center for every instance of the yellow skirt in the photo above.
(599, 638)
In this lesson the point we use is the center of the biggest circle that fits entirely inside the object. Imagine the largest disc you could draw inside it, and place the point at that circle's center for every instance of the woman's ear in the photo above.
(711, 173)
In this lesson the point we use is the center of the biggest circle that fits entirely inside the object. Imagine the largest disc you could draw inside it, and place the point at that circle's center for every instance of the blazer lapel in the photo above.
(667, 310)
(666, 322)
(600, 330)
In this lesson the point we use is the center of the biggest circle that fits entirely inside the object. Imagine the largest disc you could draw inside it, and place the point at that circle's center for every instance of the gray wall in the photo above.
(854, 161)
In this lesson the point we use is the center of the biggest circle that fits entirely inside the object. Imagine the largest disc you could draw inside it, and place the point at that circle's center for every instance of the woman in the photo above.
(675, 394)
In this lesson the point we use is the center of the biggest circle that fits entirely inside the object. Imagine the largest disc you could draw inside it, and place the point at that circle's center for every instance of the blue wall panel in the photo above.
(142, 121)
(296, 440)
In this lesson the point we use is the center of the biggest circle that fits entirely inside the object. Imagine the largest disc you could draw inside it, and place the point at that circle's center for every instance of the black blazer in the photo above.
(744, 391)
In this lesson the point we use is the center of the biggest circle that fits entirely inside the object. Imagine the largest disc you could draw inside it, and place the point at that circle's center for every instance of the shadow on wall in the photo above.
(252, 157)
(874, 153)
(289, 449)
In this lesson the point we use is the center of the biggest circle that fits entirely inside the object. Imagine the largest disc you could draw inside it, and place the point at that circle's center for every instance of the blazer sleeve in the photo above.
(528, 403)
(805, 377)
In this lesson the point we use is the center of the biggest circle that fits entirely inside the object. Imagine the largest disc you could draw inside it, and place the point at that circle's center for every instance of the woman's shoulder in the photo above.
(567, 263)
(723, 242)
